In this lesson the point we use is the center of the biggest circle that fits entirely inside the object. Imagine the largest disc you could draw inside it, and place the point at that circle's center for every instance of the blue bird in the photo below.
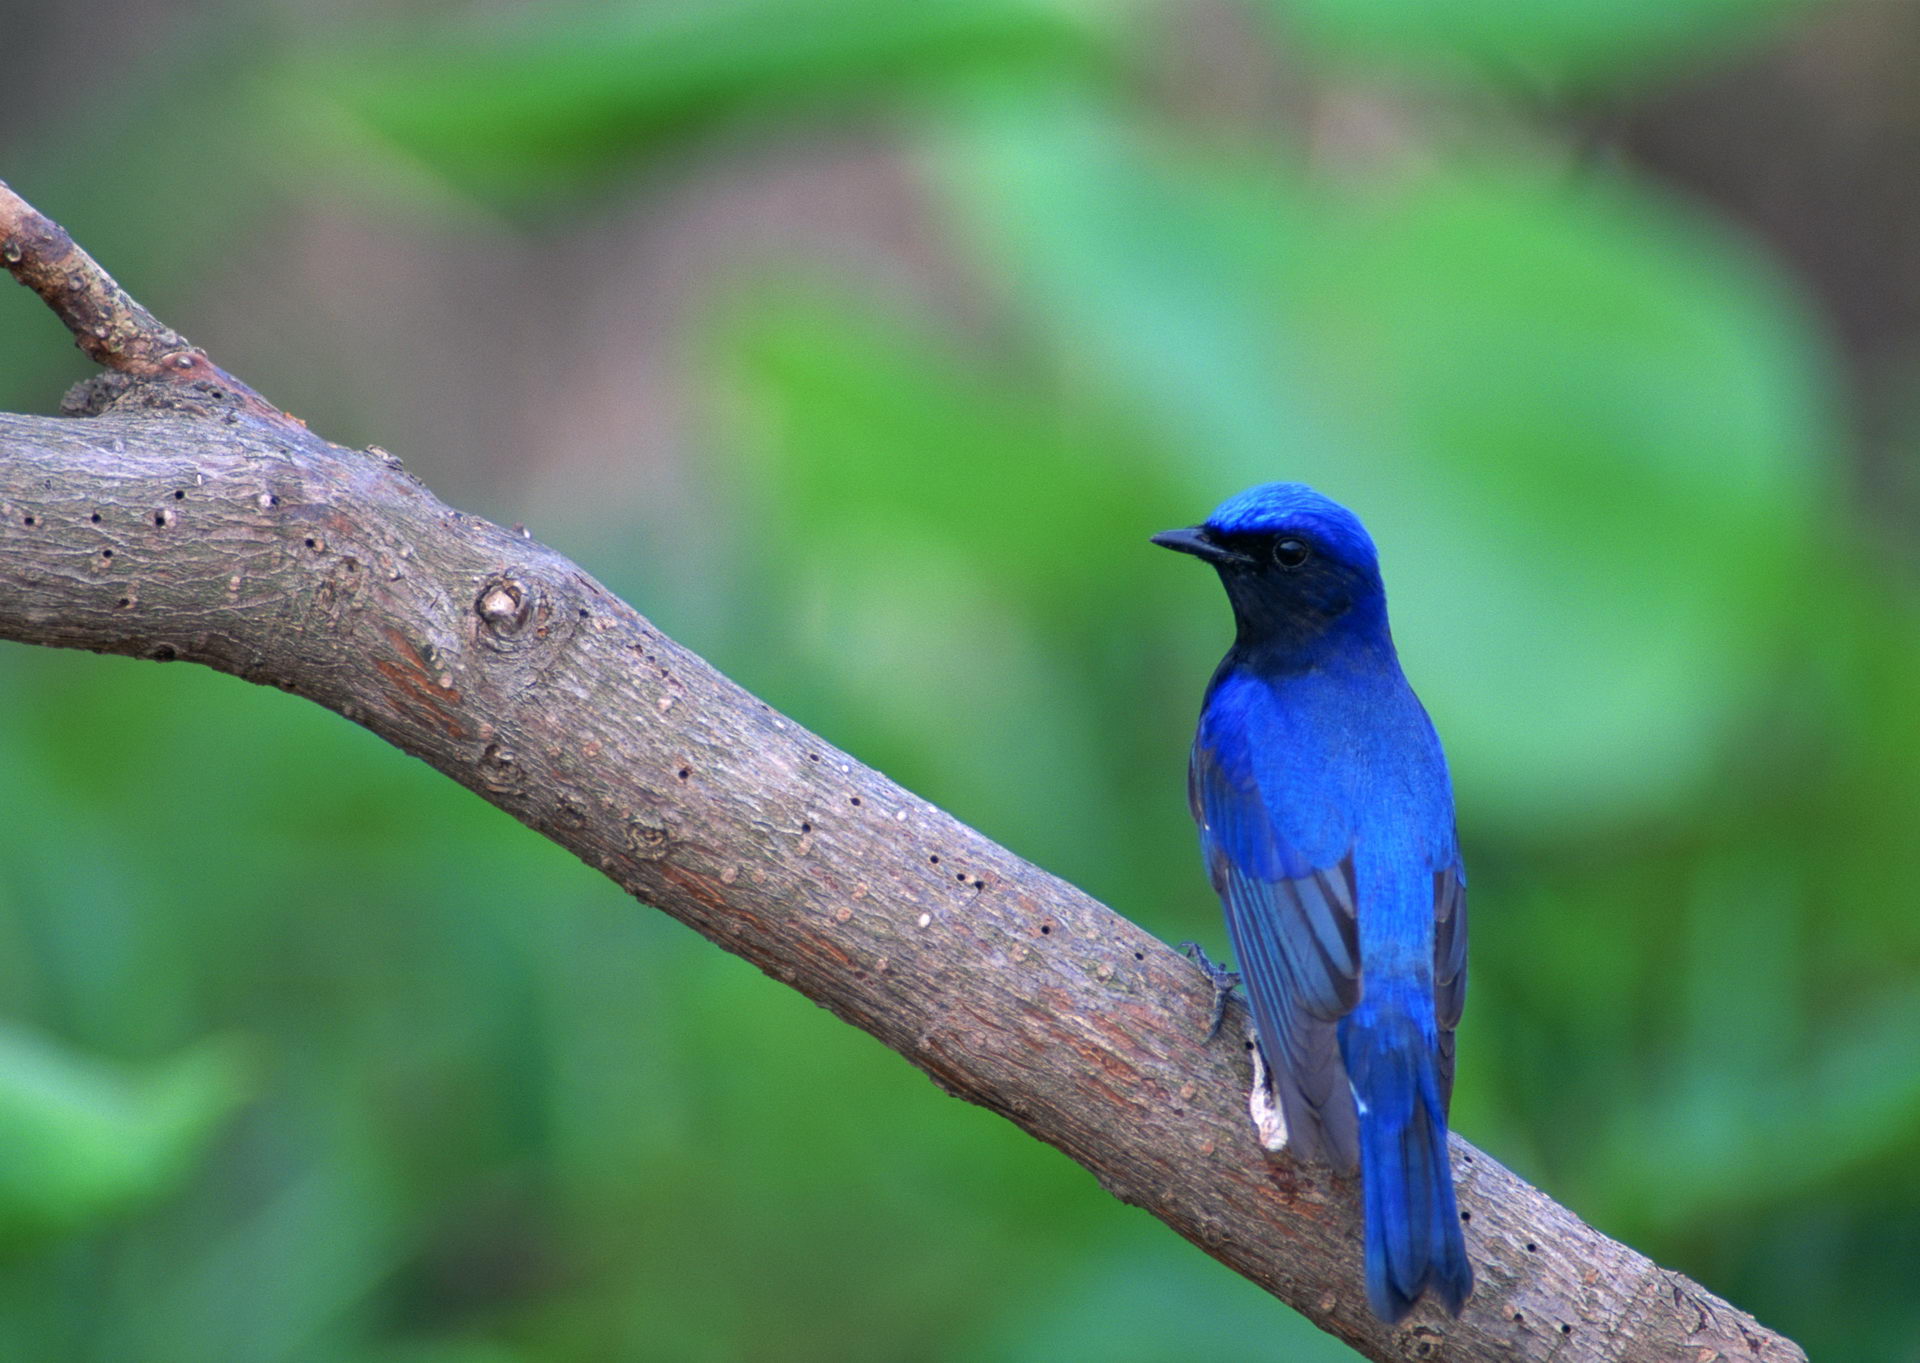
(1326, 820)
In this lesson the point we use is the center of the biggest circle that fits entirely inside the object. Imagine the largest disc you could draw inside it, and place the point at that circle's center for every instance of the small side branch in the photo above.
(114, 331)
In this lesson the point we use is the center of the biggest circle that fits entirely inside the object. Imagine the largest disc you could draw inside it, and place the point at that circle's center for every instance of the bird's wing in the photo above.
(1449, 965)
(1296, 936)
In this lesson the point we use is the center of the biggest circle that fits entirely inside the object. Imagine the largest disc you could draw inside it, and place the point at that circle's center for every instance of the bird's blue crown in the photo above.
(1273, 508)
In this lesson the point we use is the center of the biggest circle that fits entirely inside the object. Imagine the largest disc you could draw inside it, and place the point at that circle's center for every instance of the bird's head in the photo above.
(1294, 563)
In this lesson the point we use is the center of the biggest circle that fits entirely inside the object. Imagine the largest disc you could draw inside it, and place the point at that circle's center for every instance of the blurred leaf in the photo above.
(536, 101)
(1143, 274)
(1539, 48)
(81, 1141)
(926, 449)
(1727, 1141)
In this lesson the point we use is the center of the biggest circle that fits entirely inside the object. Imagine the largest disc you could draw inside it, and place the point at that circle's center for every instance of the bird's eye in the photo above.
(1291, 553)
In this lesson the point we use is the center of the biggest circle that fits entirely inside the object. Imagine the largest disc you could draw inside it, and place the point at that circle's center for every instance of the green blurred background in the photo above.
(861, 344)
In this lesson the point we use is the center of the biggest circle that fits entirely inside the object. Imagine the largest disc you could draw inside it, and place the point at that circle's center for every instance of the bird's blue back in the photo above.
(1326, 819)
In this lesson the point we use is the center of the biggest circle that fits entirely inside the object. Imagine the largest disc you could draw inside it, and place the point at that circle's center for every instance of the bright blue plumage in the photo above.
(1326, 820)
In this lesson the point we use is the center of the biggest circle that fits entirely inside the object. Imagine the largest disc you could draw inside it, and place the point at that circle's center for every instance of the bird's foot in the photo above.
(1269, 1123)
(1224, 982)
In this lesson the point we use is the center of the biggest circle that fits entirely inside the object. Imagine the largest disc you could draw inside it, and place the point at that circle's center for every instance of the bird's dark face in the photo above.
(1294, 564)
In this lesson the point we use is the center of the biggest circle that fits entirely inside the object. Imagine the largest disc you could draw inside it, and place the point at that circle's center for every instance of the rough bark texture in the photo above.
(239, 540)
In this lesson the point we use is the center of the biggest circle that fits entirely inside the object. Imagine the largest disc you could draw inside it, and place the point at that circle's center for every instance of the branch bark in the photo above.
(193, 521)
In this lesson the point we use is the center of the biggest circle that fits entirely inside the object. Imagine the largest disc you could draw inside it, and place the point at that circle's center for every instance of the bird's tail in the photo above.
(1413, 1230)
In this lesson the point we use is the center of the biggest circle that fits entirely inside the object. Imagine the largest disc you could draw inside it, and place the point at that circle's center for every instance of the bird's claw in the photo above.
(1224, 982)
(1269, 1122)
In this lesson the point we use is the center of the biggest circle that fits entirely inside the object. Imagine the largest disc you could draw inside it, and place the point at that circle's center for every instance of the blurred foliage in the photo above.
(313, 1056)
(543, 100)
(1559, 48)
(79, 1142)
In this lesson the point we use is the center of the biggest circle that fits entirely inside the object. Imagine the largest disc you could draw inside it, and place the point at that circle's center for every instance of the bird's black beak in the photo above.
(1196, 541)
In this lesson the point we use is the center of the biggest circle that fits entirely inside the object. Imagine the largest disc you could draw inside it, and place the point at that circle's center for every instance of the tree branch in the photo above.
(237, 539)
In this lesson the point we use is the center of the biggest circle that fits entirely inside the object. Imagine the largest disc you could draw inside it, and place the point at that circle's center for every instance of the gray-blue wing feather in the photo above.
(1296, 939)
(1449, 965)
